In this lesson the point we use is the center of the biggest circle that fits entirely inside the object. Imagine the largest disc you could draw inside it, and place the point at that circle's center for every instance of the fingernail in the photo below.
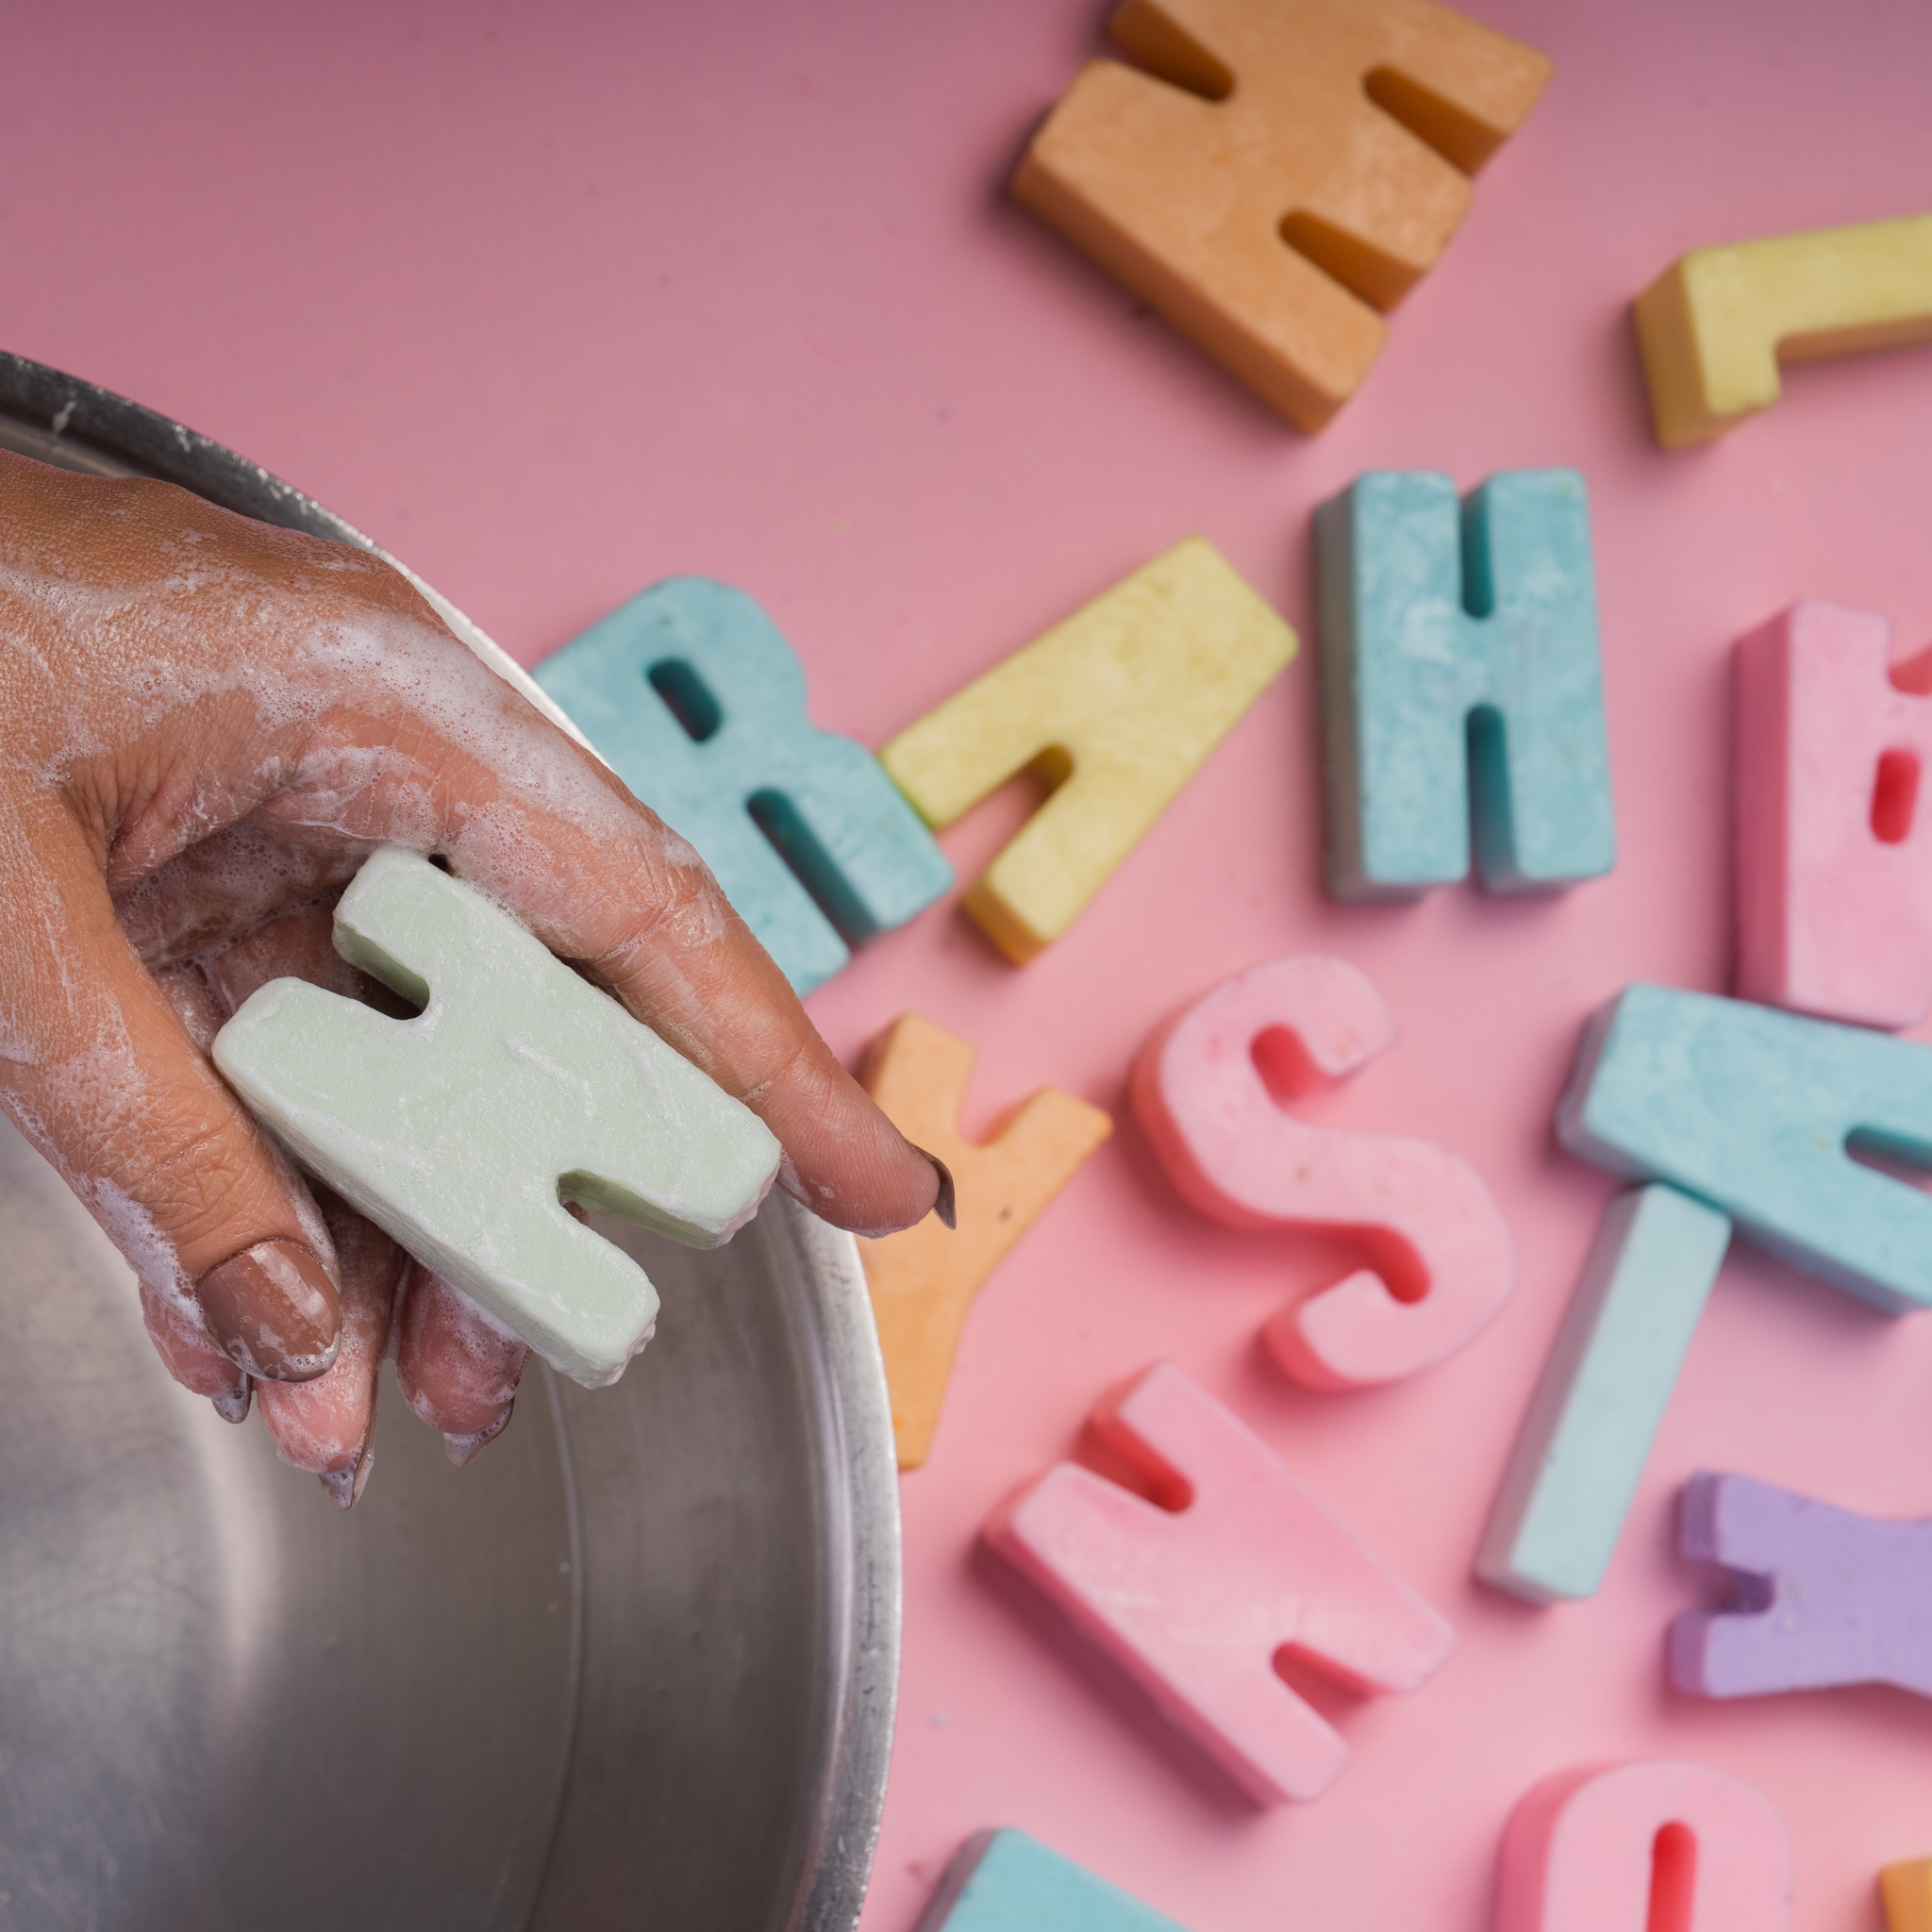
(944, 1205)
(462, 1449)
(273, 1310)
(346, 1486)
(232, 1405)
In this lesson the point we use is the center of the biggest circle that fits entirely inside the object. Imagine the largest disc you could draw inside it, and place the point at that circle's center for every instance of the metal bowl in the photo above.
(633, 1667)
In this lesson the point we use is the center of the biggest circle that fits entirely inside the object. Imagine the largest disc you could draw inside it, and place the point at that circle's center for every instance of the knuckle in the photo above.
(192, 1182)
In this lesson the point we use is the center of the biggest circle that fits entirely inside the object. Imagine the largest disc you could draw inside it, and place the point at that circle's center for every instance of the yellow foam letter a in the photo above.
(1120, 704)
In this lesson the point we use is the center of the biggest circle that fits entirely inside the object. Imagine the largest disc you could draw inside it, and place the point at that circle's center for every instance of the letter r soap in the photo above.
(462, 1131)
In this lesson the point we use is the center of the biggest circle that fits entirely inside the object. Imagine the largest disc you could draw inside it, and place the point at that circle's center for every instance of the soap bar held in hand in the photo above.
(518, 1086)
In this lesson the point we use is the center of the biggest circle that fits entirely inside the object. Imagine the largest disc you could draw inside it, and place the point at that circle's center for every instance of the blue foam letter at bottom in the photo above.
(1004, 1881)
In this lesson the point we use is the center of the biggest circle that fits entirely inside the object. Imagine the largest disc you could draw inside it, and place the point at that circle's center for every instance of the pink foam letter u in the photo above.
(1656, 1847)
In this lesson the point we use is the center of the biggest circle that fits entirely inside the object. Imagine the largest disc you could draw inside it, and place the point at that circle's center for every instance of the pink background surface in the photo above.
(555, 302)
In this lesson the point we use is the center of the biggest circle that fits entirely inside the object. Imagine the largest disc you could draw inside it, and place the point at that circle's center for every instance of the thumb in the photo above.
(104, 1077)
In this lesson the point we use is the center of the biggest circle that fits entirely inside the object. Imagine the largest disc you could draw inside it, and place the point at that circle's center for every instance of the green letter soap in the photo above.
(518, 1086)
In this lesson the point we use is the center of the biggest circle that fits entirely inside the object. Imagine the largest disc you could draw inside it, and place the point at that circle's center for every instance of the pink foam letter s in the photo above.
(1444, 1254)
(1834, 853)
(1657, 1847)
(1195, 1601)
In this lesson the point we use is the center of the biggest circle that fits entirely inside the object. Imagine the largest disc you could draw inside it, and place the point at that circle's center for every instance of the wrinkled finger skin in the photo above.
(209, 724)
(327, 1426)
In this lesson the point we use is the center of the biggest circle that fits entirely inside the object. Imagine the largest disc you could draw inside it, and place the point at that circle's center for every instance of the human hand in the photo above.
(211, 723)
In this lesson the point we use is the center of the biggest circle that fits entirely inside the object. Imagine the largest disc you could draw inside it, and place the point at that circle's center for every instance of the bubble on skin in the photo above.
(191, 1358)
(104, 1085)
(232, 1404)
(465, 1447)
(195, 1004)
(346, 1486)
(472, 711)
(226, 888)
(324, 1425)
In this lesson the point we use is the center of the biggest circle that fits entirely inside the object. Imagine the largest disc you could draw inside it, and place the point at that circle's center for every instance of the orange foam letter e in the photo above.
(1282, 170)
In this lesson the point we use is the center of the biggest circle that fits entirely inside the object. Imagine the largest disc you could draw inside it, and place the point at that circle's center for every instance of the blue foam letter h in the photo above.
(1461, 682)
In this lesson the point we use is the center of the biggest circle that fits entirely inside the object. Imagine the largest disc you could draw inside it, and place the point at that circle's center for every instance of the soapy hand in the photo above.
(211, 722)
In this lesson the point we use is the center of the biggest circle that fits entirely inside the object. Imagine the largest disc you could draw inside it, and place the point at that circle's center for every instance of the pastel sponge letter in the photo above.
(1119, 705)
(1461, 682)
(1004, 1881)
(1642, 1848)
(1834, 837)
(1444, 1253)
(1906, 1891)
(922, 1281)
(698, 705)
(1826, 1596)
(462, 1131)
(1754, 1111)
(1282, 171)
(1194, 1601)
(1601, 1397)
(1716, 323)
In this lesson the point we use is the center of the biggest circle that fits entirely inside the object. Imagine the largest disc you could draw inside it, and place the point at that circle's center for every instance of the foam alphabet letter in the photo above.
(1716, 323)
(924, 1280)
(518, 1086)
(1004, 1881)
(1834, 853)
(1574, 1469)
(1653, 1847)
(1445, 1257)
(1906, 1891)
(1119, 705)
(698, 705)
(1283, 170)
(1825, 1596)
(1461, 682)
(1751, 1111)
(1194, 1602)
